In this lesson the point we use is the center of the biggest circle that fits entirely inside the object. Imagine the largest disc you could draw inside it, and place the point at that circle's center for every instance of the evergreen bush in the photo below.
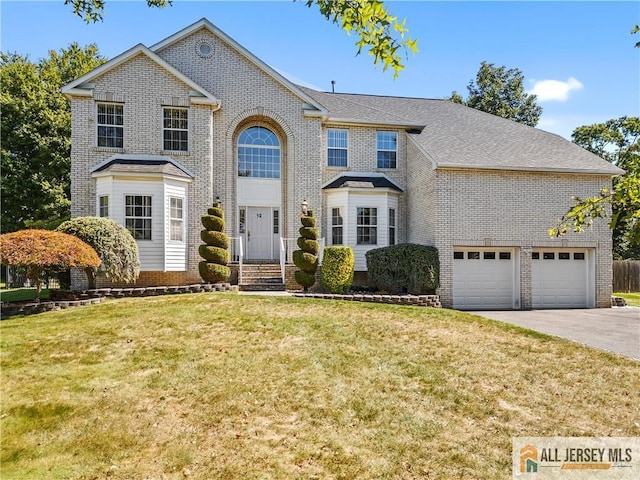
(404, 268)
(337, 268)
(114, 244)
(306, 259)
(216, 249)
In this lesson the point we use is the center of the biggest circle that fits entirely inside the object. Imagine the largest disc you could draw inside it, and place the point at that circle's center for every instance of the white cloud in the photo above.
(554, 90)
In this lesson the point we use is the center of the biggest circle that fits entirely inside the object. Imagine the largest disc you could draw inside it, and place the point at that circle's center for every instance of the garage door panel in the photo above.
(483, 283)
(559, 278)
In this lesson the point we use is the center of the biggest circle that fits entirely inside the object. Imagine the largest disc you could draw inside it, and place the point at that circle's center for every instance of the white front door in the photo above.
(259, 236)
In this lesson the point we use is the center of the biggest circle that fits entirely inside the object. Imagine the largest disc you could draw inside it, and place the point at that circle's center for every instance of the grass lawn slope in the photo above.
(237, 387)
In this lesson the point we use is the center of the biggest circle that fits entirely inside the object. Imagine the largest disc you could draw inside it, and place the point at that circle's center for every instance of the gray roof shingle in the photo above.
(457, 136)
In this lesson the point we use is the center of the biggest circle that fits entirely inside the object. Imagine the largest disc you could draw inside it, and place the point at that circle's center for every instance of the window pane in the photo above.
(337, 148)
(336, 227)
(103, 206)
(258, 154)
(392, 226)
(366, 231)
(176, 133)
(138, 216)
(387, 148)
(336, 158)
(110, 121)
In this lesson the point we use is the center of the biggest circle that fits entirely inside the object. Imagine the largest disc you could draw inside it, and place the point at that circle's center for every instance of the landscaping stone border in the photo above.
(412, 300)
(618, 302)
(62, 299)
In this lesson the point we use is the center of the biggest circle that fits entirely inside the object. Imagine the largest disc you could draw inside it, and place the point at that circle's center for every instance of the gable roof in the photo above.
(82, 86)
(313, 107)
(457, 136)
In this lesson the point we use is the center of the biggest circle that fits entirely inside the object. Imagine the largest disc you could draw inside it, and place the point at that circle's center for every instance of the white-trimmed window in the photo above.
(367, 226)
(258, 153)
(337, 146)
(110, 125)
(175, 129)
(392, 226)
(337, 237)
(387, 149)
(176, 219)
(137, 216)
(103, 206)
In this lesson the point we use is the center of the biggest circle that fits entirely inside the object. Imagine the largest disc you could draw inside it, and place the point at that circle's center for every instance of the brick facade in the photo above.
(443, 207)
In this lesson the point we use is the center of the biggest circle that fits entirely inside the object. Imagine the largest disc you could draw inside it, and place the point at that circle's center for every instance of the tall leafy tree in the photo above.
(36, 135)
(501, 92)
(378, 31)
(617, 141)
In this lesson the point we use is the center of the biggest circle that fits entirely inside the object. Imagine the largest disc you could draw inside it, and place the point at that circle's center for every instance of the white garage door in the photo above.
(484, 279)
(560, 278)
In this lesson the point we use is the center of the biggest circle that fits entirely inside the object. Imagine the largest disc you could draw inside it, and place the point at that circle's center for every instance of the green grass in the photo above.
(22, 294)
(237, 387)
(633, 299)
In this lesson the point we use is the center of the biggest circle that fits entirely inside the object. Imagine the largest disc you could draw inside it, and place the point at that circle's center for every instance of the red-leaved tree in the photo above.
(41, 251)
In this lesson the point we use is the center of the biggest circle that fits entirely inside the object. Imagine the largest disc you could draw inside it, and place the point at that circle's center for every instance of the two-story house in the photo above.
(159, 132)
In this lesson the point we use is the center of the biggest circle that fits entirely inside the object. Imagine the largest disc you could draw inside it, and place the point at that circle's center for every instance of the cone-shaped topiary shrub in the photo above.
(337, 268)
(216, 249)
(306, 259)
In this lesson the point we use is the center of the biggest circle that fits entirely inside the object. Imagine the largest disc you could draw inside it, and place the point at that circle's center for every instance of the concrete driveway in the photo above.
(614, 329)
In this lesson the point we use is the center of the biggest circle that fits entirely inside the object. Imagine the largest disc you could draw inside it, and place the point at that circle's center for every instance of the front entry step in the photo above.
(262, 277)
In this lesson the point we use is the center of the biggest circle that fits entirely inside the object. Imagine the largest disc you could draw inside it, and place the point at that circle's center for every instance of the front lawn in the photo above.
(235, 387)
(23, 294)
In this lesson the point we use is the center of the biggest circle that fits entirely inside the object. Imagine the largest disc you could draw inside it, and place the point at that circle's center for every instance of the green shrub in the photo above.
(213, 223)
(214, 254)
(215, 239)
(309, 233)
(310, 246)
(214, 273)
(337, 268)
(114, 244)
(306, 259)
(306, 262)
(304, 279)
(216, 249)
(216, 212)
(404, 268)
(308, 221)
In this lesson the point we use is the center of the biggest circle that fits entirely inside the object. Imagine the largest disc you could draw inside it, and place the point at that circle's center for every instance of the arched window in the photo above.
(258, 153)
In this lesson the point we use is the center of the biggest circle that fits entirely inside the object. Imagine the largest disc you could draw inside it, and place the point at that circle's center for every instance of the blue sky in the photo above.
(578, 56)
